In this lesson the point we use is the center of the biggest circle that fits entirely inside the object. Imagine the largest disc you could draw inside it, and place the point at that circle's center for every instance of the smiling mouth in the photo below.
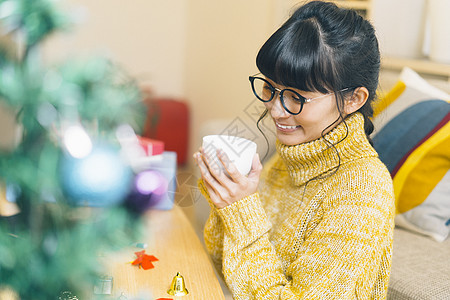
(284, 127)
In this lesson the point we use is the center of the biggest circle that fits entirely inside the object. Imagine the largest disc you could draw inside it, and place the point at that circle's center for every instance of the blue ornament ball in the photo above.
(98, 179)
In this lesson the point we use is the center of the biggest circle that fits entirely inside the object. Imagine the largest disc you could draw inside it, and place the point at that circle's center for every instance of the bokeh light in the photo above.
(77, 141)
(148, 182)
(149, 189)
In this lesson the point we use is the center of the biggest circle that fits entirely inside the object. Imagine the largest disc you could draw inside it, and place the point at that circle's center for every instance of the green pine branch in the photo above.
(54, 246)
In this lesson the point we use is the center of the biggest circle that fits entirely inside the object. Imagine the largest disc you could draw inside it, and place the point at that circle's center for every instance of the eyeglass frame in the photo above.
(302, 101)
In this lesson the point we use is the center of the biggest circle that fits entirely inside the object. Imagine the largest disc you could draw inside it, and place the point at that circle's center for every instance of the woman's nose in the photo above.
(275, 107)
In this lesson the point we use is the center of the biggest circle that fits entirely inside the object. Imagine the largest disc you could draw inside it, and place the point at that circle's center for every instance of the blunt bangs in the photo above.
(293, 57)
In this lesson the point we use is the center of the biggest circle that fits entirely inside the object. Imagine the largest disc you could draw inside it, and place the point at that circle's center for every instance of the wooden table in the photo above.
(171, 238)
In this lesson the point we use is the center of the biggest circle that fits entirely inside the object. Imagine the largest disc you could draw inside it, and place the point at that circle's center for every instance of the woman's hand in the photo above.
(225, 188)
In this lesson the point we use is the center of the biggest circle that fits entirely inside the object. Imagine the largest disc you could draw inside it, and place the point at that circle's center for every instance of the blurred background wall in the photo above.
(198, 50)
(147, 37)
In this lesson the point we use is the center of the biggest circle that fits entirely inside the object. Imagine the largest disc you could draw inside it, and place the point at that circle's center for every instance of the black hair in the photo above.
(324, 48)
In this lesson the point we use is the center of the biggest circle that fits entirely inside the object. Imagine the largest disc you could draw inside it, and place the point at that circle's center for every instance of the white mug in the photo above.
(240, 151)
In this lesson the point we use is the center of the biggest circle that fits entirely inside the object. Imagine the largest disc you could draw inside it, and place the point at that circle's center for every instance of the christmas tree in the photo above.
(67, 174)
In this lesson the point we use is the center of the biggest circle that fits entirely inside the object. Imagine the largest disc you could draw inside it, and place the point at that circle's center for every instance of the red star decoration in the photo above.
(144, 260)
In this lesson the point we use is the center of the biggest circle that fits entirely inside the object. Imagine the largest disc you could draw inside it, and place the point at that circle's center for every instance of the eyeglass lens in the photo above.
(264, 91)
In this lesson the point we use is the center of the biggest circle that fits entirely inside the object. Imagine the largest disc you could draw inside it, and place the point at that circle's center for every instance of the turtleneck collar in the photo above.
(309, 160)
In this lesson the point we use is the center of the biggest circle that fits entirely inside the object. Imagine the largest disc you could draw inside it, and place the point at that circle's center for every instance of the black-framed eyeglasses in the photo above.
(291, 100)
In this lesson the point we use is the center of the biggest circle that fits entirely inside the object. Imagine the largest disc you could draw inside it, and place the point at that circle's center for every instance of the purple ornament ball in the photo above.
(149, 188)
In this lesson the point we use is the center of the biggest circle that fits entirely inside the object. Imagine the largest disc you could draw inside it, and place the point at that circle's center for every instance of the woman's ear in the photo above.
(357, 100)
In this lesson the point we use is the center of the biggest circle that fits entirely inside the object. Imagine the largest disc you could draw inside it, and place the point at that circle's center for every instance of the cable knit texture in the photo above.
(320, 227)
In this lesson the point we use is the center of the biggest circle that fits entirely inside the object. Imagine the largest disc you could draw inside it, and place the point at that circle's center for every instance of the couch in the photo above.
(420, 267)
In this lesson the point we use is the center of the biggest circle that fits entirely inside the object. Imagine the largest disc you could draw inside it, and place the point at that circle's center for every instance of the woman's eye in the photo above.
(295, 97)
(267, 88)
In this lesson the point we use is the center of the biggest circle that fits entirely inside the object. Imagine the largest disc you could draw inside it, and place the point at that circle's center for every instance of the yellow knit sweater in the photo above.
(312, 231)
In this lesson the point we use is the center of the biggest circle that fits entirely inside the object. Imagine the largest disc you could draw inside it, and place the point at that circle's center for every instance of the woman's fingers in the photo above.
(234, 182)
(217, 168)
(224, 182)
(216, 191)
(256, 167)
(212, 194)
(229, 167)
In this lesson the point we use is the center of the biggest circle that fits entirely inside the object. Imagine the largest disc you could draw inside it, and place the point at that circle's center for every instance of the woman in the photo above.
(320, 225)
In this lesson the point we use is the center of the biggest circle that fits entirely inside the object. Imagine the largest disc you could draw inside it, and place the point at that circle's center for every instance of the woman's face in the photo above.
(309, 124)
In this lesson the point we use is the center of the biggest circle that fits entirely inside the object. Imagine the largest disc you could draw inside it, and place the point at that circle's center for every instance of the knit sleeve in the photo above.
(213, 236)
(328, 262)
(213, 232)
(250, 264)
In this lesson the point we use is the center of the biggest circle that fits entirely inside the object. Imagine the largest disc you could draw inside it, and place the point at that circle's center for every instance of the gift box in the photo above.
(151, 146)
